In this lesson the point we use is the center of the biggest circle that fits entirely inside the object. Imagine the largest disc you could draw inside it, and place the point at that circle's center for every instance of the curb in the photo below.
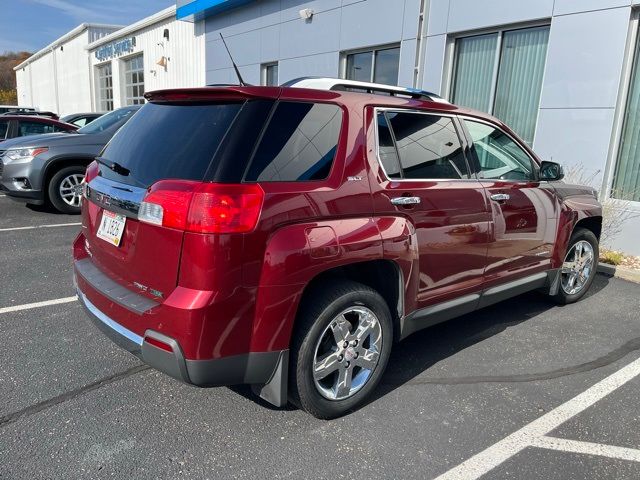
(619, 272)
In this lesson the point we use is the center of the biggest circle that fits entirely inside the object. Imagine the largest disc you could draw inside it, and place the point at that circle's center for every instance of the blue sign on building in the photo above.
(115, 49)
(197, 9)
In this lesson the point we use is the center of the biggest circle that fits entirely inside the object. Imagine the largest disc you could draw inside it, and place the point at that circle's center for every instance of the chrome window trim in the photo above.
(377, 110)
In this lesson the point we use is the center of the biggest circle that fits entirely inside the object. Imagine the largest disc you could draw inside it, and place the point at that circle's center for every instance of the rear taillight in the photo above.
(92, 172)
(202, 207)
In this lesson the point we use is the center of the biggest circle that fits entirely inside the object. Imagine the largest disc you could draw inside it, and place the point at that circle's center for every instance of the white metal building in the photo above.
(102, 67)
(56, 78)
(156, 52)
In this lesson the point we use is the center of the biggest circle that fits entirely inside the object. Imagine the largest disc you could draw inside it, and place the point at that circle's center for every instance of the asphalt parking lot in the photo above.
(520, 390)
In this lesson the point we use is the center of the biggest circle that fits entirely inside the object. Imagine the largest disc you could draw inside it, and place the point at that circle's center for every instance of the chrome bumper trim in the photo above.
(108, 322)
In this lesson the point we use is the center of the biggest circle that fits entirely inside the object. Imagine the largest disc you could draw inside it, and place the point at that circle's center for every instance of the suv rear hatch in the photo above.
(184, 138)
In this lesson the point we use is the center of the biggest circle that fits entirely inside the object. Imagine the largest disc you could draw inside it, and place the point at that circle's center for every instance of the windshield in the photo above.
(104, 122)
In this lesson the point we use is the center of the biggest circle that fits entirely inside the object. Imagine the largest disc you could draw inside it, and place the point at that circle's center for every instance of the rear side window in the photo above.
(4, 128)
(299, 144)
(428, 146)
(387, 149)
(33, 128)
(169, 141)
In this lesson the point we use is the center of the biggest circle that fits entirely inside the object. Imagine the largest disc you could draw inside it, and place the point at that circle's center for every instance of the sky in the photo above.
(29, 25)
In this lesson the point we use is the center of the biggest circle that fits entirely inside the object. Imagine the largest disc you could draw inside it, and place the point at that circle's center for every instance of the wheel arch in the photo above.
(56, 164)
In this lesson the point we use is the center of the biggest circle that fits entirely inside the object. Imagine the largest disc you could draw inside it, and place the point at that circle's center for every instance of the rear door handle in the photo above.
(500, 197)
(405, 200)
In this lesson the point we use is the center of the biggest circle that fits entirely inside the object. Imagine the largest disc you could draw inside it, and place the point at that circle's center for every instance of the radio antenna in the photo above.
(235, 67)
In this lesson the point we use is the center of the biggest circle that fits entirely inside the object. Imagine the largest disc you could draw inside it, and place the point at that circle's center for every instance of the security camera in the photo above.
(306, 14)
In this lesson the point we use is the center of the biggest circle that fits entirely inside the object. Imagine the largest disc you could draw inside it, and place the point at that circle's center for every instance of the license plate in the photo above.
(111, 227)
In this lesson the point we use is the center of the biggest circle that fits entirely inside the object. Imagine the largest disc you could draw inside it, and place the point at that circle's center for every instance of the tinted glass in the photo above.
(386, 68)
(386, 149)
(299, 144)
(359, 66)
(496, 156)
(428, 145)
(168, 141)
(4, 128)
(109, 120)
(271, 72)
(33, 128)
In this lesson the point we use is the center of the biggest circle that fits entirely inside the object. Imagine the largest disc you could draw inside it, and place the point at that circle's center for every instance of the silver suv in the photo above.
(49, 168)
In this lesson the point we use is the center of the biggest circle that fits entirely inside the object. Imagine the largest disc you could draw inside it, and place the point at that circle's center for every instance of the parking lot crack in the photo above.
(45, 404)
(603, 361)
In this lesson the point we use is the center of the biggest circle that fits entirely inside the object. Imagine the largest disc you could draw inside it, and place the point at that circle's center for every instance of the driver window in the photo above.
(496, 156)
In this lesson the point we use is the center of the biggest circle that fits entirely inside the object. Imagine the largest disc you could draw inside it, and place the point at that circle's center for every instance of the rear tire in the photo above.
(340, 349)
(60, 189)
(579, 267)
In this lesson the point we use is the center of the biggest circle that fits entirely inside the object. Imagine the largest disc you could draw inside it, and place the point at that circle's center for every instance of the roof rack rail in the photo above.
(339, 84)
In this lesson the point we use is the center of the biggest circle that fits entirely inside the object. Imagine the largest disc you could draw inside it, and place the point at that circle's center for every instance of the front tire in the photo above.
(340, 348)
(579, 267)
(62, 189)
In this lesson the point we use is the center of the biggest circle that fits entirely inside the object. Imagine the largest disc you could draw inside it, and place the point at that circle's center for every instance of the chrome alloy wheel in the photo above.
(577, 267)
(347, 353)
(71, 189)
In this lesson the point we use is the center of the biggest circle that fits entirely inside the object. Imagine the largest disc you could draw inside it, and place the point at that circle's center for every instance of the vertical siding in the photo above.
(184, 51)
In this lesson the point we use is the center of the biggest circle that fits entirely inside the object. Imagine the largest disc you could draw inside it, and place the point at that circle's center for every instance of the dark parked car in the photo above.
(81, 119)
(16, 108)
(51, 167)
(12, 126)
(288, 237)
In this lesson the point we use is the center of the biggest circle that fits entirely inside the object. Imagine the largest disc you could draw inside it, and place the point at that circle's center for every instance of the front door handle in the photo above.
(500, 197)
(405, 200)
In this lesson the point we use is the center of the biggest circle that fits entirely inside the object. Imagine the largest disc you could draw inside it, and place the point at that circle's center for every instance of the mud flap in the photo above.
(275, 390)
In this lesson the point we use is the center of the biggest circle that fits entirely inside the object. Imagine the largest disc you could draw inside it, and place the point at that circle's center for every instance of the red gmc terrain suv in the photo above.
(287, 237)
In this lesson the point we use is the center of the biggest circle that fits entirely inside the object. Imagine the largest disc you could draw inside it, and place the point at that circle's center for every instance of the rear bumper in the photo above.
(255, 368)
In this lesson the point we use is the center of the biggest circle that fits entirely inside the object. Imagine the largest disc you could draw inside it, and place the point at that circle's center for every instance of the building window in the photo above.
(270, 74)
(377, 65)
(134, 80)
(501, 73)
(105, 88)
(626, 179)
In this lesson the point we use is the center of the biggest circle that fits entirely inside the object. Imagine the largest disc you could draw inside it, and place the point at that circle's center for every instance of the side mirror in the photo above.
(551, 171)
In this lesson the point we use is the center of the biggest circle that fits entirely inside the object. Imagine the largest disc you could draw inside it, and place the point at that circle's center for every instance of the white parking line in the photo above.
(528, 435)
(46, 303)
(575, 446)
(32, 227)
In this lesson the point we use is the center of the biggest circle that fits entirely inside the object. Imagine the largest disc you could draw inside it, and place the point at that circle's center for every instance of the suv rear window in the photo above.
(298, 145)
(169, 141)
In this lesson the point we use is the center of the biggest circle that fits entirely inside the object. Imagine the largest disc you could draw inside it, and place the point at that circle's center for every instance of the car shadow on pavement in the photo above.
(46, 208)
(424, 349)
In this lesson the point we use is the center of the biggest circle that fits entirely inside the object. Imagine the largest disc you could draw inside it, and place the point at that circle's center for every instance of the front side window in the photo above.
(428, 146)
(33, 128)
(134, 80)
(298, 145)
(501, 73)
(105, 87)
(496, 156)
(376, 65)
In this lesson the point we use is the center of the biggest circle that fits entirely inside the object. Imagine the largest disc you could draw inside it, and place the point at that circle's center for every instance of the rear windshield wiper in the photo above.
(114, 166)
